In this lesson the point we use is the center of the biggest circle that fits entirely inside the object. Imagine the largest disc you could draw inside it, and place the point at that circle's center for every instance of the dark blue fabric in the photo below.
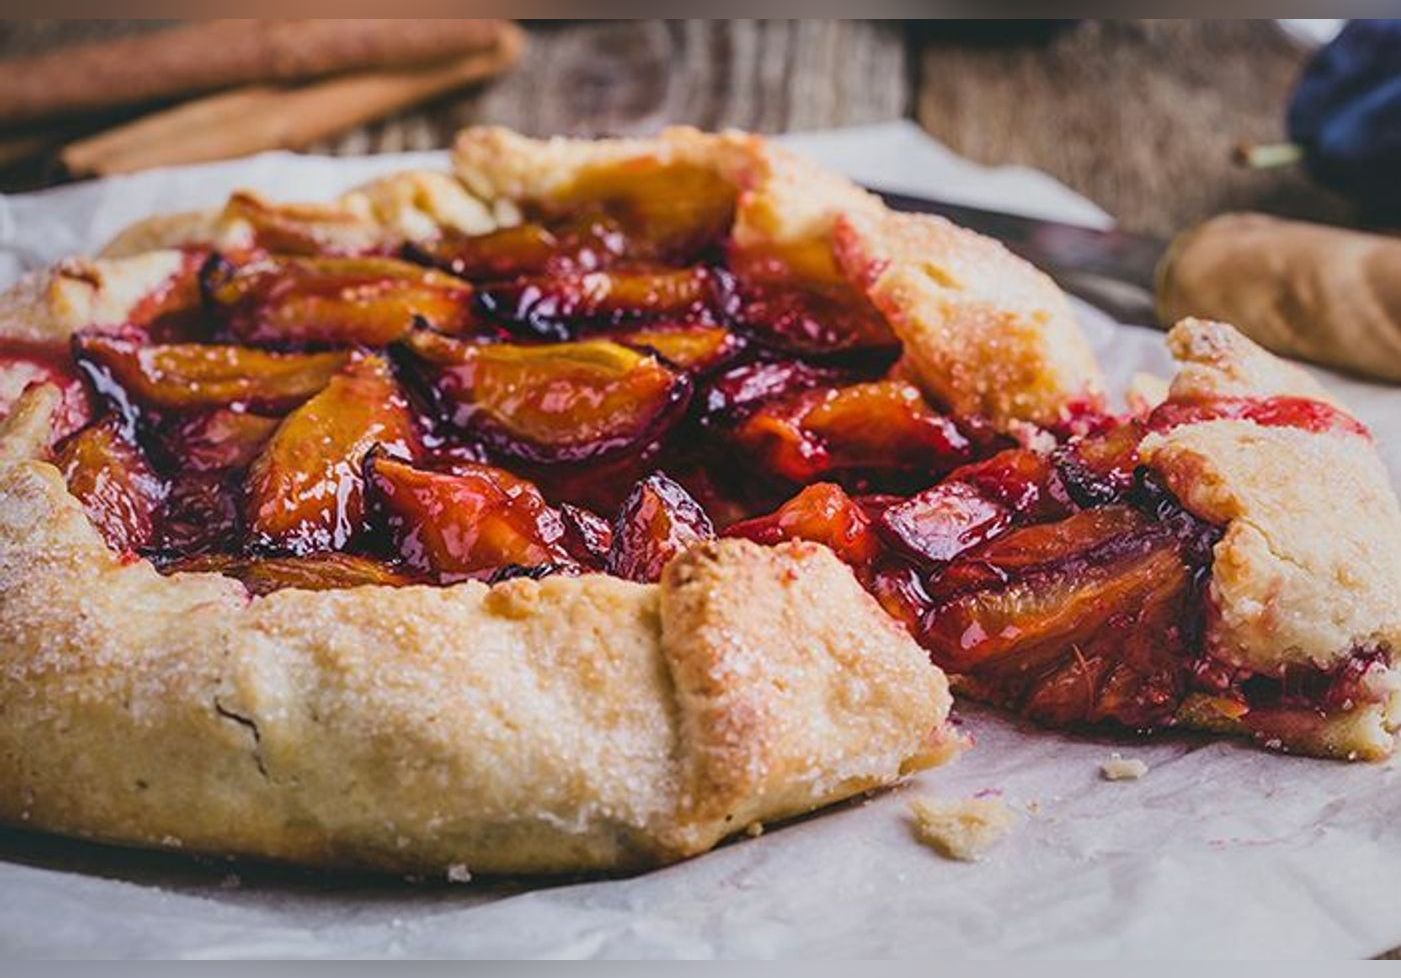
(1346, 113)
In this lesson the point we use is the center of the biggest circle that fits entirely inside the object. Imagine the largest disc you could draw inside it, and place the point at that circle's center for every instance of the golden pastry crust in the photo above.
(81, 293)
(416, 205)
(1364, 733)
(1217, 360)
(566, 724)
(1308, 570)
(984, 332)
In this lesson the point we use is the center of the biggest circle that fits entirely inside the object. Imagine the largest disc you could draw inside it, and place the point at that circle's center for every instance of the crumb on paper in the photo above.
(962, 829)
(754, 829)
(1122, 768)
(459, 873)
(1033, 807)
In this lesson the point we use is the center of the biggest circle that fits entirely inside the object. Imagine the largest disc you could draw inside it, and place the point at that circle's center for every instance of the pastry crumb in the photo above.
(459, 873)
(754, 829)
(1122, 768)
(962, 829)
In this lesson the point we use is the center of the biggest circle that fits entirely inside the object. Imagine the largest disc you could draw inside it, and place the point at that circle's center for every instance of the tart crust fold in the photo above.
(532, 726)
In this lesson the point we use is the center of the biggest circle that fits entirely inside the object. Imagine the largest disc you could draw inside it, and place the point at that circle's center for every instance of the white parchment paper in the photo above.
(1219, 850)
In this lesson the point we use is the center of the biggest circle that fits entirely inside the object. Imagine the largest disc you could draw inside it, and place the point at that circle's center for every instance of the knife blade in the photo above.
(1112, 270)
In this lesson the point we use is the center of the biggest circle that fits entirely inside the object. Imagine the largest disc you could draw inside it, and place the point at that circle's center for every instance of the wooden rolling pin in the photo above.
(262, 117)
(1323, 294)
(202, 57)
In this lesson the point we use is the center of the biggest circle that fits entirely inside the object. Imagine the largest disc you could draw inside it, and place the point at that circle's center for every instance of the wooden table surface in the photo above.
(1140, 116)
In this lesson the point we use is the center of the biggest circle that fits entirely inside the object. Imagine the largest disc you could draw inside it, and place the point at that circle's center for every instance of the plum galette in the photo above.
(593, 502)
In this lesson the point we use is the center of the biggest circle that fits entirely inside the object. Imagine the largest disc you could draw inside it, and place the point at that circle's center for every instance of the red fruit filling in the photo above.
(658, 521)
(25, 363)
(506, 404)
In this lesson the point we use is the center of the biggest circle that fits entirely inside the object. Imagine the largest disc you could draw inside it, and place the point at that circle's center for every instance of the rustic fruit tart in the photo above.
(594, 502)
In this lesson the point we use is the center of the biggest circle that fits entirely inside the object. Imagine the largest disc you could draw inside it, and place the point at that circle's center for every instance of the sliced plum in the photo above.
(554, 402)
(283, 301)
(1083, 620)
(587, 536)
(553, 305)
(658, 521)
(822, 513)
(192, 376)
(938, 524)
(586, 243)
(324, 571)
(738, 392)
(696, 349)
(215, 441)
(305, 489)
(882, 426)
(1099, 469)
(810, 319)
(670, 210)
(463, 523)
(201, 513)
(112, 479)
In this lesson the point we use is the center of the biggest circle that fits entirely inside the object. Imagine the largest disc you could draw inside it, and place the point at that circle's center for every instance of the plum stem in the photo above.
(1264, 156)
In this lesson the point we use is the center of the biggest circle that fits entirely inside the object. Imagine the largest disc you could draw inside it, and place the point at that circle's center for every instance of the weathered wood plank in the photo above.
(634, 77)
(1141, 116)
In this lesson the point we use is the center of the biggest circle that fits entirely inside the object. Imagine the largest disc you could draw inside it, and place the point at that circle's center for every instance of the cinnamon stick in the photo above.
(262, 117)
(206, 56)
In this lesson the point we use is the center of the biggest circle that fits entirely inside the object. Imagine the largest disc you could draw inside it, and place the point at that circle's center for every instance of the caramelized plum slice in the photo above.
(25, 363)
(113, 481)
(1025, 481)
(547, 305)
(1076, 621)
(214, 441)
(810, 319)
(324, 571)
(466, 522)
(669, 210)
(200, 513)
(822, 513)
(584, 244)
(1099, 469)
(525, 249)
(883, 426)
(658, 521)
(335, 301)
(938, 524)
(553, 402)
(305, 490)
(190, 376)
(697, 349)
(587, 536)
(740, 391)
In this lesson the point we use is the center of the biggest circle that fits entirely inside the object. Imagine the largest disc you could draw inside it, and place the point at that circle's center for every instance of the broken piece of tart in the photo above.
(1228, 559)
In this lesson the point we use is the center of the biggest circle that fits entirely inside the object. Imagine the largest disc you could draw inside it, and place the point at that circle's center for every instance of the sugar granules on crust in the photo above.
(1122, 768)
(962, 829)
